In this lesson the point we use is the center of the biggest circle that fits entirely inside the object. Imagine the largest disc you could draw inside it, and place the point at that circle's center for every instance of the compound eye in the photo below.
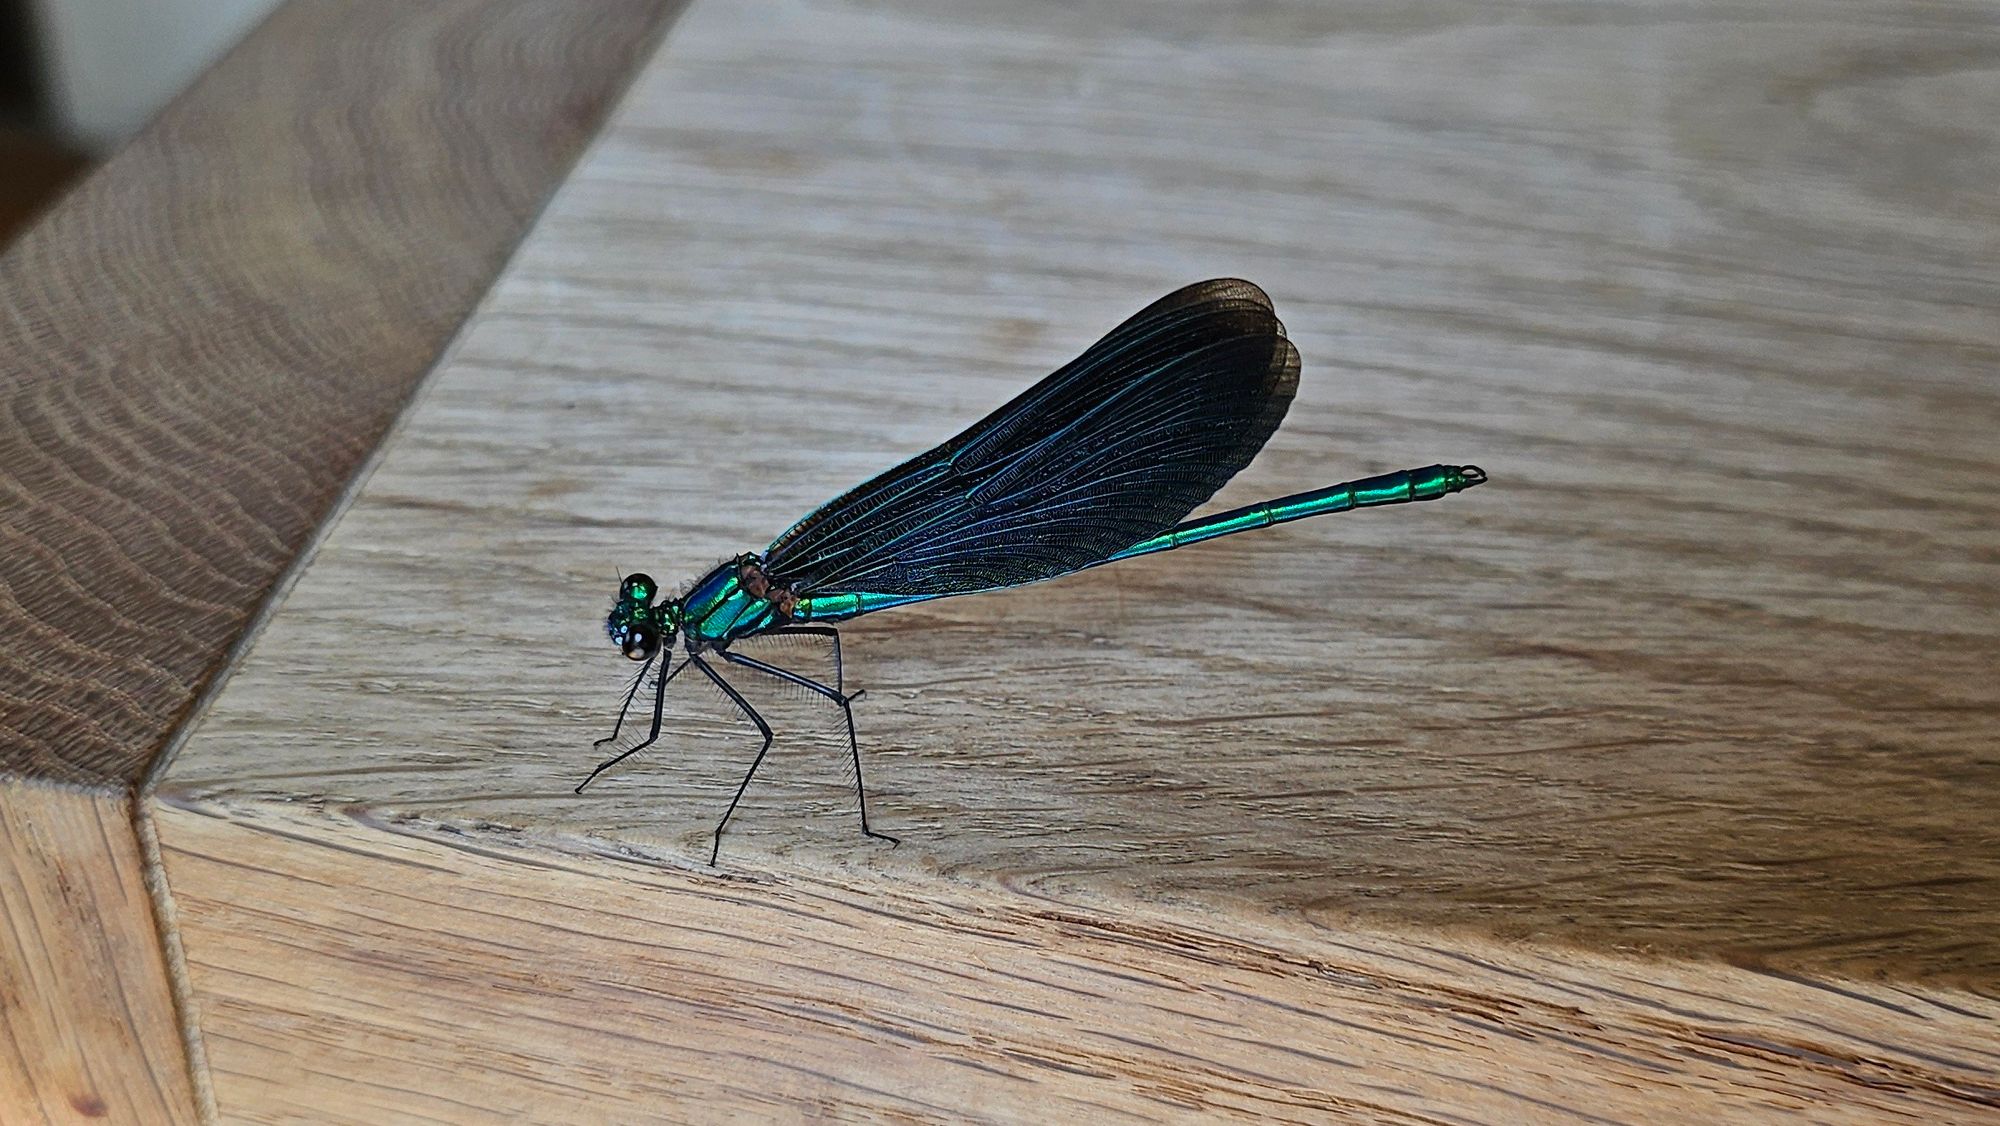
(640, 642)
(638, 588)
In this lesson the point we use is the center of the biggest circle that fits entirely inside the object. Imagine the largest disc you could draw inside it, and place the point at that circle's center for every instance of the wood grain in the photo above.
(1696, 695)
(198, 347)
(202, 342)
(355, 971)
(87, 1028)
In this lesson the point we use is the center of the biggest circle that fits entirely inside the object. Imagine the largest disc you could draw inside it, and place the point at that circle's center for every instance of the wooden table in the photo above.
(1653, 781)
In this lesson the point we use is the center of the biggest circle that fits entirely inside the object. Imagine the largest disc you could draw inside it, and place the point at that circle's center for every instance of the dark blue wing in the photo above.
(1116, 447)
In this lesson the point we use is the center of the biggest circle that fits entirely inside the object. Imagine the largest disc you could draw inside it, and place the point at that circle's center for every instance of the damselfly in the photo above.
(1101, 461)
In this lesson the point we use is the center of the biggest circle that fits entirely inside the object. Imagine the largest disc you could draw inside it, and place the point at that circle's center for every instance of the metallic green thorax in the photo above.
(1400, 487)
(719, 610)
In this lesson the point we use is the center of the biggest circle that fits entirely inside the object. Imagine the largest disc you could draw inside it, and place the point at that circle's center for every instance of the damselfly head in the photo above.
(635, 624)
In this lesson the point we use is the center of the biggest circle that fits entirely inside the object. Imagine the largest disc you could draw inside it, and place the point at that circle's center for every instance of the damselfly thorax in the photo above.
(736, 600)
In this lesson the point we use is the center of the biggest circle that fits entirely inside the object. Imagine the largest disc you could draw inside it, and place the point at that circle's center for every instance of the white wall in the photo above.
(112, 64)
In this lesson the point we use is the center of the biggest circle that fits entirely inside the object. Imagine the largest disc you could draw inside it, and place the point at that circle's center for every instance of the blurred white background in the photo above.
(109, 65)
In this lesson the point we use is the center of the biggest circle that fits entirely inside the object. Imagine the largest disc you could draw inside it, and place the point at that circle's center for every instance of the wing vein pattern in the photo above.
(1116, 447)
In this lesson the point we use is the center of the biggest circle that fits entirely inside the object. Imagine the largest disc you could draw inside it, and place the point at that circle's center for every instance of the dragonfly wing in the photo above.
(1114, 448)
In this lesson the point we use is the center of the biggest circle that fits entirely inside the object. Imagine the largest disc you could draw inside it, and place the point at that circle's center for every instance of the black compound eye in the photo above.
(638, 588)
(640, 642)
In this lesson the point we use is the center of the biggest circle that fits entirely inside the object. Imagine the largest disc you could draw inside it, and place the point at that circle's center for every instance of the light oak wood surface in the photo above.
(87, 1027)
(544, 986)
(1663, 765)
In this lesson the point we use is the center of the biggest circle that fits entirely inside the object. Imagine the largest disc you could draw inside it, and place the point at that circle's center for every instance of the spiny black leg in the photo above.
(846, 706)
(730, 690)
(822, 631)
(659, 706)
(637, 683)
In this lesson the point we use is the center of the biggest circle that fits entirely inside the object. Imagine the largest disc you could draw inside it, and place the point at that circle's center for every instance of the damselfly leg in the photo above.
(630, 694)
(729, 690)
(846, 707)
(827, 632)
(653, 736)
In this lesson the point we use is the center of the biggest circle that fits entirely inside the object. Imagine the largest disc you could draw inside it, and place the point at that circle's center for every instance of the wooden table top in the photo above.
(1653, 775)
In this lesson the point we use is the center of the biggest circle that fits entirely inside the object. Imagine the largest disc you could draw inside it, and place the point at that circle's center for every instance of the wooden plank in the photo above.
(87, 1026)
(427, 976)
(1696, 694)
(199, 346)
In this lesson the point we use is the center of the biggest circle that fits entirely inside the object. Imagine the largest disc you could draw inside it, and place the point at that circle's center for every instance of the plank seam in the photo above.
(167, 923)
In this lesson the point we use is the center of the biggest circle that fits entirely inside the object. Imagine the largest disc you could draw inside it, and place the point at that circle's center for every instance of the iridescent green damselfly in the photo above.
(1101, 461)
